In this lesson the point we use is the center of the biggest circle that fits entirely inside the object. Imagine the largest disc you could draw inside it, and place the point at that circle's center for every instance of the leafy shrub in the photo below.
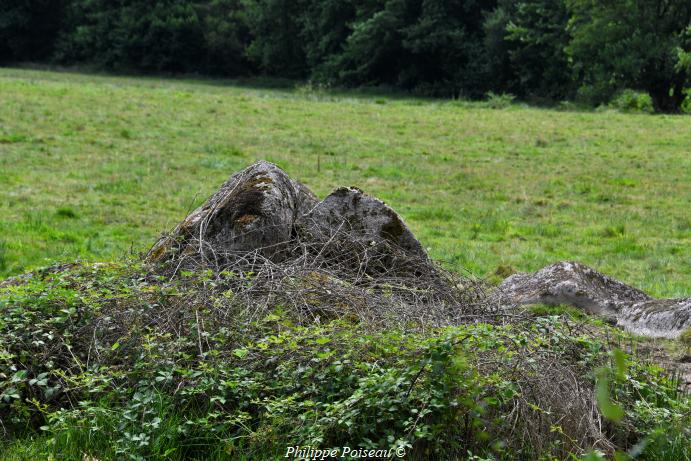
(686, 105)
(649, 397)
(114, 361)
(632, 101)
(499, 101)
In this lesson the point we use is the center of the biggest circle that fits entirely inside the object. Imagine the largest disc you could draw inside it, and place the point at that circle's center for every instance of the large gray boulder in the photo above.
(260, 212)
(575, 284)
(666, 318)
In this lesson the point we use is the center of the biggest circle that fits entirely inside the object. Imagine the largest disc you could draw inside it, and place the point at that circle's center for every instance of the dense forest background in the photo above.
(539, 50)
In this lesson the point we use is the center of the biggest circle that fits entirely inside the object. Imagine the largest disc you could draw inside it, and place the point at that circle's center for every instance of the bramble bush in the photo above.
(113, 361)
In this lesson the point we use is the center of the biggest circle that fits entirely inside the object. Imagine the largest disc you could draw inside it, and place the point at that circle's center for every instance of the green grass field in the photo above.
(95, 167)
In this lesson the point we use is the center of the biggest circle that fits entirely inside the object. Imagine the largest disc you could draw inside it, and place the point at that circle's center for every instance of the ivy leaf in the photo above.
(241, 353)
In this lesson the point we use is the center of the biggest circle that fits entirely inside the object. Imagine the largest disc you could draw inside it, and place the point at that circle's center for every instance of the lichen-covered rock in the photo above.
(569, 282)
(255, 210)
(578, 285)
(366, 218)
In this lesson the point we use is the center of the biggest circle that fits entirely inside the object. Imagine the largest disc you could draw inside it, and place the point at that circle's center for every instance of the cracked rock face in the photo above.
(578, 285)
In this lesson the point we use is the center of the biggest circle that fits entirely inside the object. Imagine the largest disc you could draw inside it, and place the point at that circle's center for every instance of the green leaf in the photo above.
(593, 456)
(620, 365)
(609, 409)
(19, 376)
(241, 353)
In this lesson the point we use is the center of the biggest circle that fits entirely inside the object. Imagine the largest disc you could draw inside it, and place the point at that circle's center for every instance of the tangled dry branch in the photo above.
(342, 275)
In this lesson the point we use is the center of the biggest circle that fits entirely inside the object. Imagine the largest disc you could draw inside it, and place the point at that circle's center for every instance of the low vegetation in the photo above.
(112, 361)
(116, 359)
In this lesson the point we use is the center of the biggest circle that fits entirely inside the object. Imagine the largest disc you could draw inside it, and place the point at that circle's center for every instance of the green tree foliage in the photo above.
(275, 45)
(631, 43)
(525, 43)
(434, 47)
(132, 34)
(28, 28)
(500, 72)
(373, 52)
(446, 47)
(539, 37)
(324, 28)
(536, 49)
(225, 37)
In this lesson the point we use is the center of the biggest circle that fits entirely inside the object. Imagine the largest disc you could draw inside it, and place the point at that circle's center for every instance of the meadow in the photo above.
(95, 167)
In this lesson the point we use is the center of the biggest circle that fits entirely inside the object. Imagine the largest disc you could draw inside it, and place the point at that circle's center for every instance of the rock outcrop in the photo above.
(366, 218)
(578, 285)
(666, 318)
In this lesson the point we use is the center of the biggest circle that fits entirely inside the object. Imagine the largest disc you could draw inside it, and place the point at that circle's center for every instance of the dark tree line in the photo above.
(545, 49)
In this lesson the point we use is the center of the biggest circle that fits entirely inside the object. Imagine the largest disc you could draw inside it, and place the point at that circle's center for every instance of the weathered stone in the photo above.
(657, 317)
(578, 285)
(365, 218)
(254, 210)
(569, 282)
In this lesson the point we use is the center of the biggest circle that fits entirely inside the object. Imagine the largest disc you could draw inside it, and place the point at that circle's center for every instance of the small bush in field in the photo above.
(632, 101)
(499, 101)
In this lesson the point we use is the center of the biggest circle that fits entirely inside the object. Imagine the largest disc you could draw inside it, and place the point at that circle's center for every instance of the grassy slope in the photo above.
(93, 166)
